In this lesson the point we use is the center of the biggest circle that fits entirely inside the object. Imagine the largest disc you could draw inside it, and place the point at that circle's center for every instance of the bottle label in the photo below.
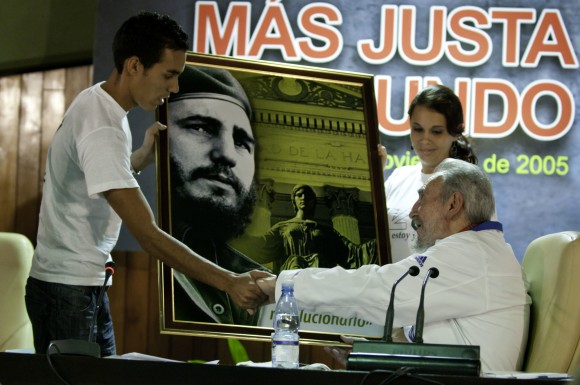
(285, 350)
(285, 356)
(282, 342)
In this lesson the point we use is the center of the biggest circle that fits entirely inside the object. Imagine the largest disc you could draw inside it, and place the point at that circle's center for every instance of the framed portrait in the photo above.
(267, 166)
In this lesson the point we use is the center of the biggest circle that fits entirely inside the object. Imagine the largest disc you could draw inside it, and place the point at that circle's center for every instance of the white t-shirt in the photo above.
(401, 192)
(89, 154)
(479, 297)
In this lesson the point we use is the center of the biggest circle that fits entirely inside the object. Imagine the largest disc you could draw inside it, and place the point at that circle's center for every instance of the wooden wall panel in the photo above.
(77, 79)
(159, 344)
(29, 154)
(117, 296)
(137, 302)
(9, 130)
(53, 98)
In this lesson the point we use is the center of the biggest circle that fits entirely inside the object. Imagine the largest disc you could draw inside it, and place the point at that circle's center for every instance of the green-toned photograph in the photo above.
(267, 166)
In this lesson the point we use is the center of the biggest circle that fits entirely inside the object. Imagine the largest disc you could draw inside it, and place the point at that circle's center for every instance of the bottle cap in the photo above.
(288, 284)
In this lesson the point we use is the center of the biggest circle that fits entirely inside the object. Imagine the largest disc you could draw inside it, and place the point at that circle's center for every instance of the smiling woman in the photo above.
(437, 127)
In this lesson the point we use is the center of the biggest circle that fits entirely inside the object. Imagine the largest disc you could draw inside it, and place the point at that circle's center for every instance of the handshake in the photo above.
(268, 286)
(253, 289)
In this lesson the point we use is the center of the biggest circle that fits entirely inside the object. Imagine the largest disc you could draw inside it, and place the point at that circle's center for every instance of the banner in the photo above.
(514, 66)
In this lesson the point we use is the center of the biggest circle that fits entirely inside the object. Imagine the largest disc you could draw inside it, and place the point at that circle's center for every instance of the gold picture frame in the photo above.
(311, 126)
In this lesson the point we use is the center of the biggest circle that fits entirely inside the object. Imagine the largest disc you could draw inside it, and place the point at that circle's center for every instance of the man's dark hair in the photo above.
(146, 36)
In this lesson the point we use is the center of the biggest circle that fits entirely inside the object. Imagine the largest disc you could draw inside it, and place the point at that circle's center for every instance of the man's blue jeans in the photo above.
(59, 312)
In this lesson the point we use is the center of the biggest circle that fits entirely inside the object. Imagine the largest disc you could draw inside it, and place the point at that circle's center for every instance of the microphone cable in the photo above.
(49, 354)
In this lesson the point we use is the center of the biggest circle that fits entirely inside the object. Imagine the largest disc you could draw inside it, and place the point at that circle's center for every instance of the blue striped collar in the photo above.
(490, 225)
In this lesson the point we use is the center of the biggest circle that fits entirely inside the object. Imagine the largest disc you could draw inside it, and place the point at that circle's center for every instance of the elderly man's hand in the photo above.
(268, 286)
(340, 354)
(246, 293)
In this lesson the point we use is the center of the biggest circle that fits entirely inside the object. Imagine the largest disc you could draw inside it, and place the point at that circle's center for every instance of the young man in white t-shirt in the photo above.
(90, 188)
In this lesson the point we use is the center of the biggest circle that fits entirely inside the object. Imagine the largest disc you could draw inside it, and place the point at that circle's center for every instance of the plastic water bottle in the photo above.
(285, 338)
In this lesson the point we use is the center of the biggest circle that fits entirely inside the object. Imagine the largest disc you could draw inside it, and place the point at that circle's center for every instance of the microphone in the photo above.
(421, 358)
(109, 271)
(387, 337)
(81, 347)
(433, 272)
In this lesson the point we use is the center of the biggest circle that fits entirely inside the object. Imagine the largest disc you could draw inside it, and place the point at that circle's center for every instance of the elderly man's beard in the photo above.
(422, 242)
(419, 245)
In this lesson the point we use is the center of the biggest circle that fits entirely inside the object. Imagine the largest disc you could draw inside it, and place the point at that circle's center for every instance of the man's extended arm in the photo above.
(132, 207)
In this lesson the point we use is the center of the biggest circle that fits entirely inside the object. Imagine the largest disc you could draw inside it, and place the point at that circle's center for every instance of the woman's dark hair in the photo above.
(443, 100)
(146, 36)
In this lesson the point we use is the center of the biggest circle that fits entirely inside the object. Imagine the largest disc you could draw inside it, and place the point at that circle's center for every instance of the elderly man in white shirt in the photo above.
(480, 295)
